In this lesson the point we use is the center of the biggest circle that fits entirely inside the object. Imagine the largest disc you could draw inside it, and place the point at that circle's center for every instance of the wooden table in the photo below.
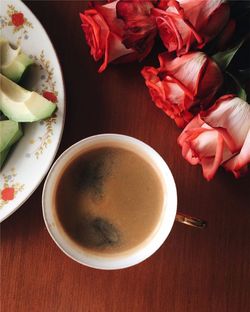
(194, 271)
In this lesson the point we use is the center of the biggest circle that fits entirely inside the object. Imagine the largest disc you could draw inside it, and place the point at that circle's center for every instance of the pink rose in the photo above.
(219, 136)
(183, 85)
(103, 33)
(186, 23)
(106, 36)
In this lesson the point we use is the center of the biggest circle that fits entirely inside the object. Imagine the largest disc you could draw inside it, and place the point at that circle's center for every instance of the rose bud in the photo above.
(185, 24)
(183, 85)
(219, 136)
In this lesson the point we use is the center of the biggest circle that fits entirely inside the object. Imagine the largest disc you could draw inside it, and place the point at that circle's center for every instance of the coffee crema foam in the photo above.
(109, 200)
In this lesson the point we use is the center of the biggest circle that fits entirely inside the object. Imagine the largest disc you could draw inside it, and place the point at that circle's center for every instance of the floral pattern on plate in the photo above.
(10, 187)
(17, 20)
(48, 89)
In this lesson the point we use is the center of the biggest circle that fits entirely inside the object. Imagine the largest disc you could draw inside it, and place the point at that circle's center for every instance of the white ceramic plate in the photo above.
(31, 158)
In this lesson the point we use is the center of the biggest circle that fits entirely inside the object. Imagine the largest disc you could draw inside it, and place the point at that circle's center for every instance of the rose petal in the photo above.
(184, 139)
(207, 16)
(206, 143)
(211, 164)
(108, 12)
(240, 161)
(210, 76)
(115, 48)
(96, 32)
(185, 69)
(226, 35)
(215, 23)
(232, 114)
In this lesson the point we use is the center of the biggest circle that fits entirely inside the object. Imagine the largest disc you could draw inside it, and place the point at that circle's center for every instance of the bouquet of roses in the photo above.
(195, 83)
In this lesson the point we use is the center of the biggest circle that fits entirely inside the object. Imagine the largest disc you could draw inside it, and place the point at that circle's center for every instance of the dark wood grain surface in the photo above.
(195, 270)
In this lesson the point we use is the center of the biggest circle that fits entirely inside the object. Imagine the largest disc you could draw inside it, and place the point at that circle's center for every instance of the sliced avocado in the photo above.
(22, 105)
(13, 61)
(10, 133)
(3, 156)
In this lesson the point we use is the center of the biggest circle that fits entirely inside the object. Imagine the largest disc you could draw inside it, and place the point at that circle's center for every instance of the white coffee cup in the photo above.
(141, 252)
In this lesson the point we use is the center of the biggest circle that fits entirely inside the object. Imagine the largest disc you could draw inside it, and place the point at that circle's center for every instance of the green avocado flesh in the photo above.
(3, 156)
(13, 61)
(10, 133)
(21, 105)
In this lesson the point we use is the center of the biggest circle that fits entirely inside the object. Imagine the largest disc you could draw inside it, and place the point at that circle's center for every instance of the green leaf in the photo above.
(241, 93)
(224, 58)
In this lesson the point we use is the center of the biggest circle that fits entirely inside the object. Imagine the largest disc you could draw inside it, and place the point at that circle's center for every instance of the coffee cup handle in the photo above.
(195, 222)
